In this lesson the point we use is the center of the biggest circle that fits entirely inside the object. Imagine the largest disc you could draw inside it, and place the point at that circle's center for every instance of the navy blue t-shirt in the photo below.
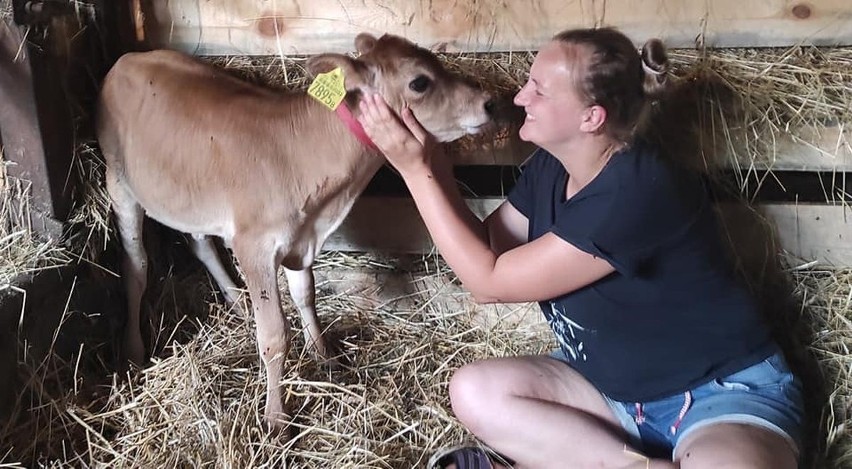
(673, 315)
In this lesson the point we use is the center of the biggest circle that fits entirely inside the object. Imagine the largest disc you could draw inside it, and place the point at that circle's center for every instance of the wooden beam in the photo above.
(120, 27)
(402, 229)
(821, 233)
(825, 149)
(264, 27)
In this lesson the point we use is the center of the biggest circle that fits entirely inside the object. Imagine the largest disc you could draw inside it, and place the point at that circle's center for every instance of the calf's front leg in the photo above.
(257, 258)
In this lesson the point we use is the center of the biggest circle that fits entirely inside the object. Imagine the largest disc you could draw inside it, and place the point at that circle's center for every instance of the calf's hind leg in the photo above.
(205, 251)
(129, 217)
(303, 292)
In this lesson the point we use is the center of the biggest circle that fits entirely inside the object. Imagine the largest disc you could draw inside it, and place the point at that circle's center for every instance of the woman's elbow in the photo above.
(485, 288)
(484, 296)
(485, 300)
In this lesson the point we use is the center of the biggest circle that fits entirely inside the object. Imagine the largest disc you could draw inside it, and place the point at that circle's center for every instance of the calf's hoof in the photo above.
(279, 423)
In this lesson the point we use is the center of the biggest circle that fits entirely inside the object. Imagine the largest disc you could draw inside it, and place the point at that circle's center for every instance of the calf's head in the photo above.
(404, 74)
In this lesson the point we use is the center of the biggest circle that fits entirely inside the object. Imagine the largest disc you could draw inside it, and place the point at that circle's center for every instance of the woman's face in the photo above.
(554, 109)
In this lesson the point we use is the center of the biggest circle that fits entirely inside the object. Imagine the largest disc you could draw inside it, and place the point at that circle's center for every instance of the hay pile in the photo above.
(387, 408)
(403, 326)
(199, 404)
(22, 253)
(782, 90)
(739, 107)
(824, 298)
(403, 323)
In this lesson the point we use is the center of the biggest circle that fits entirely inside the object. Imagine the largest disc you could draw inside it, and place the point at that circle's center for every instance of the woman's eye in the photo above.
(420, 84)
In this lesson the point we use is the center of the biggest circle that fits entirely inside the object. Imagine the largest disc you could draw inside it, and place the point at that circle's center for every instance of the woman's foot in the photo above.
(467, 457)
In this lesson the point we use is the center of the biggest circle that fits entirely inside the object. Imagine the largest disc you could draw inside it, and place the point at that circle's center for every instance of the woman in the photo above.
(663, 360)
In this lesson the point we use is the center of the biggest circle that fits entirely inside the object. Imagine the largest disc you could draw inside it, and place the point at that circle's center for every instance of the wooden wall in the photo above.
(273, 27)
(806, 232)
(293, 27)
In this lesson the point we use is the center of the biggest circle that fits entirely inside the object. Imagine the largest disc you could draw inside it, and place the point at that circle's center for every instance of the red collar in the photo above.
(355, 127)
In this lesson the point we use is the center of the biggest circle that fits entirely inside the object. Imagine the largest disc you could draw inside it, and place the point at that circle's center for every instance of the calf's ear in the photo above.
(364, 43)
(356, 74)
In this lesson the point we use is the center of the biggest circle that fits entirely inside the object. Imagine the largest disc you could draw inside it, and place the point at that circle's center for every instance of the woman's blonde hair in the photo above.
(619, 78)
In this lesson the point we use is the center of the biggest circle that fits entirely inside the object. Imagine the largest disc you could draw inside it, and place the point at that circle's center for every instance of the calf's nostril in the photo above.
(502, 110)
(490, 106)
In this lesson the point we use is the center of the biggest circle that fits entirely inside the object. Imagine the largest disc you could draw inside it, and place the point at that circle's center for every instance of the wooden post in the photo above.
(35, 125)
(51, 62)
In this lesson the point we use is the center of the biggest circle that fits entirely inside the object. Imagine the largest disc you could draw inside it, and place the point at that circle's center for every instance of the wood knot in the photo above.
(802, 11)
(270, 25)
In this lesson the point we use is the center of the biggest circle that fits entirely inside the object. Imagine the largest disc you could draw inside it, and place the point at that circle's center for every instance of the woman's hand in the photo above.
(409, 147)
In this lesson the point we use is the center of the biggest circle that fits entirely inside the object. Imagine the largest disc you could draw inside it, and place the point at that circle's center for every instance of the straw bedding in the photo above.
(402, 323)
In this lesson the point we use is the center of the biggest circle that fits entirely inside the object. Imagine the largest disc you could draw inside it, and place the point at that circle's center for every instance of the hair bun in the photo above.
(655, 64)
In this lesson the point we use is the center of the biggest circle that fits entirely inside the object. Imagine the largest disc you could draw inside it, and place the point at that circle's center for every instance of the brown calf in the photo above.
(272, 173)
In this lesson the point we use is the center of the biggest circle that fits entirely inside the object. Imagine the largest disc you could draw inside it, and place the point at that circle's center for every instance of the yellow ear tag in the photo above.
(328, 88)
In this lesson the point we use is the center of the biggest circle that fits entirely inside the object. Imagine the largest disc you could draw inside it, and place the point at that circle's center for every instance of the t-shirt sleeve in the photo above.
(523, 196)
(630, 224)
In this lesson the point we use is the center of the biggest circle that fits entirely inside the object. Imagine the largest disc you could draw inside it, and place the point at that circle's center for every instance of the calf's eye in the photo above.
(420, 84)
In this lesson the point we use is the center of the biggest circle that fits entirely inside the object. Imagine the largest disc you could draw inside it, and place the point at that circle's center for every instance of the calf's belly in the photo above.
(194, 215)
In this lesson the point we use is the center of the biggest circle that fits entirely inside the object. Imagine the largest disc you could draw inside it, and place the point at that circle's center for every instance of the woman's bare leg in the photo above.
(541, 413)
(729, 446)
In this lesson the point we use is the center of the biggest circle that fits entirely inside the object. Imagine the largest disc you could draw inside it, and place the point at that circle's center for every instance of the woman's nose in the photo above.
(521, 97)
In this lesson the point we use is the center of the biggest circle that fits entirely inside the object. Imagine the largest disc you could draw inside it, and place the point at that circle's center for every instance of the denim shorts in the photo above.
(766, 395)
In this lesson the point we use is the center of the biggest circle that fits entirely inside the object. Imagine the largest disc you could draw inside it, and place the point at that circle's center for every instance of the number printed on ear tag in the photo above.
(328, 88)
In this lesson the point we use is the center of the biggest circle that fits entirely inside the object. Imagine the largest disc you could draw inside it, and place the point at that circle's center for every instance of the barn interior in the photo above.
(761, 104)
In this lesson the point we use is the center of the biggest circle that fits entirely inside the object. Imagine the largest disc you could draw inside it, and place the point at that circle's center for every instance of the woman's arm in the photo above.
(507, 228)
(539, 270)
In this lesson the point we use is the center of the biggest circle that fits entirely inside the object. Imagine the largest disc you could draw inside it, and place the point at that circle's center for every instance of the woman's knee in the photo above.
(484, 385)
(473, 394)
(465, 387)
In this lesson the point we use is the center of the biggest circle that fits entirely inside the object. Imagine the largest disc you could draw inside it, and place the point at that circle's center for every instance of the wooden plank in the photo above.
(821, 233)
(825, 149)
(272, 27)
(402, 229)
